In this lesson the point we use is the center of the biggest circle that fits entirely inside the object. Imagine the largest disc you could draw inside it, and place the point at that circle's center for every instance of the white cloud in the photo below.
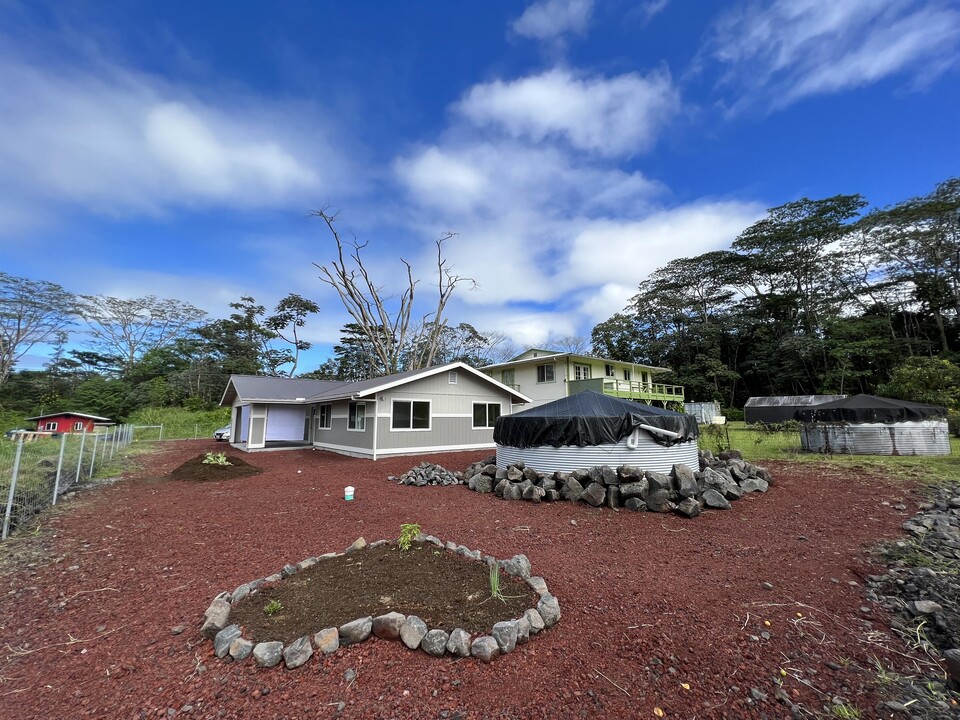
(785, 50)
(651, 9)
(121, 143)
(620, 115)
(550, 19)
(604, 248)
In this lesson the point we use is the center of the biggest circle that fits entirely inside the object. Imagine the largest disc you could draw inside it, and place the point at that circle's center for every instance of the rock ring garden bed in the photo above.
(322, 603)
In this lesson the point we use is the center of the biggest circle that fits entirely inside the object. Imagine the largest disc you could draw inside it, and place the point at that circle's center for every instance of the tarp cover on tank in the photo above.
(590, 418)
(869, 409)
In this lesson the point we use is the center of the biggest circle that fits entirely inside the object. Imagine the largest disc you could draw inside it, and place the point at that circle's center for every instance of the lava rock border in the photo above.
(719, 481)
(230, 645)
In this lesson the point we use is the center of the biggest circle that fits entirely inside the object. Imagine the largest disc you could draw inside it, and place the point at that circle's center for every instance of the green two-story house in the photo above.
(548, 375)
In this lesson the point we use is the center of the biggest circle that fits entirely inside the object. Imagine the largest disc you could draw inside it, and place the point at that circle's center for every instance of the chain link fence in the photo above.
(37, 468)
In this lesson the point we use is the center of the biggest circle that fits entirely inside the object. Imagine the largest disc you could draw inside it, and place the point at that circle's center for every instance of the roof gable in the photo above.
(71, 414)
(254, 388)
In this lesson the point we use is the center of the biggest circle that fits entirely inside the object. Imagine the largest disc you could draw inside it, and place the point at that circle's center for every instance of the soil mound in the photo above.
(195, 469)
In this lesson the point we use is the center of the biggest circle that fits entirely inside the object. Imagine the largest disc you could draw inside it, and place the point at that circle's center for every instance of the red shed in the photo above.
(63, 422)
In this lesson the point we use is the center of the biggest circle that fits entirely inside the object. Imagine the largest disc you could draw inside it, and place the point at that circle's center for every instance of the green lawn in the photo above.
(757, 445)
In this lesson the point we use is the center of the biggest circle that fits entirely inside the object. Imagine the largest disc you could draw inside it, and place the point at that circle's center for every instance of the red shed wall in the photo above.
(65, 423)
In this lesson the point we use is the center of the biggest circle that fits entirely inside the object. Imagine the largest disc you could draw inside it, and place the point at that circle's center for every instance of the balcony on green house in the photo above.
(630, 389)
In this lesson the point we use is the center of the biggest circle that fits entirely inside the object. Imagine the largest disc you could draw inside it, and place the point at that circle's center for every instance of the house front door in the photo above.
(258, 427)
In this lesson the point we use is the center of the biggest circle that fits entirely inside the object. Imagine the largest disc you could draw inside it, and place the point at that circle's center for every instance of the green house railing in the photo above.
(630, 389)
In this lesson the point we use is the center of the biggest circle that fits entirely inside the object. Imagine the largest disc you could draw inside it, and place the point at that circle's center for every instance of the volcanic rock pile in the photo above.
(428, 474)
(922, 585)
(719, 480)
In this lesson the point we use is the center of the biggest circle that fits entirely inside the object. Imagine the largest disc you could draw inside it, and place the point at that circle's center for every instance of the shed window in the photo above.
(485, 414)
(410, 415)
(325, 418)
(357, 416)
(78, 425)
(609, 371)
(545, 373)
(51, 425)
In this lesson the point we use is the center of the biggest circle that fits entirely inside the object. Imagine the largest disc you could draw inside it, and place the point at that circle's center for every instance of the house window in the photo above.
(325, 418)
(545, 373)
(485, 415)
(627, 376)
(581, 372)
(508, 377)
(410, 415)
(357, 416)
(78, 426)
(452, 377)
(609, 371)
(51, 425)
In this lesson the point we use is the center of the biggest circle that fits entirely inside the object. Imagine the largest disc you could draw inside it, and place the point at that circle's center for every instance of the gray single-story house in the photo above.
(438, 409)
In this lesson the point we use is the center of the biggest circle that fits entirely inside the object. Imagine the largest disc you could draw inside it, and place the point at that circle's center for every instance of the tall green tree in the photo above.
(916, 244)
(288, 318)
(126, 328)
(32, 312)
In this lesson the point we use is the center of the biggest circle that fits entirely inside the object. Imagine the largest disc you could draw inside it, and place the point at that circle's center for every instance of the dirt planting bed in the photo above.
(197, 470)
(738, 614)
(443, 589)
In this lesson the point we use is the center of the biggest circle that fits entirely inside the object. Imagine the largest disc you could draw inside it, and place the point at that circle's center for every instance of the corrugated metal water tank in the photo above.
(704, 412)
(922, 437)
(588, 428)
(647, 455)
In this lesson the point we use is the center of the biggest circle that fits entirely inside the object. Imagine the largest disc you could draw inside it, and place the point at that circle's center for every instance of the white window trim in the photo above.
(486, 406)
(329, 417)
(585, 371)
(78, 425)
(544, 365)
(359, 404)
(609, 370)
(452, 377)
(411, 401)
(50, 426)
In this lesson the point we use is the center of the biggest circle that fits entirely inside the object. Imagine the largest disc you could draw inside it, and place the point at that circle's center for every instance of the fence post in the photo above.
(161, 432)
(56, 482)
(13, 486)
(93, 456)
(83, 439)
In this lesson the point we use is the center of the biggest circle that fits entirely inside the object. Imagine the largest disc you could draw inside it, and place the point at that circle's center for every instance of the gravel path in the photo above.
(658, 611)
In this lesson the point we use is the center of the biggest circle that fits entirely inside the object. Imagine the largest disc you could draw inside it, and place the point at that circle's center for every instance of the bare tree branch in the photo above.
(394, 340)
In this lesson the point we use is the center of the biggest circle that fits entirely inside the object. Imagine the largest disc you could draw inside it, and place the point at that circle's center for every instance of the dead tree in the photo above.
(396, 341)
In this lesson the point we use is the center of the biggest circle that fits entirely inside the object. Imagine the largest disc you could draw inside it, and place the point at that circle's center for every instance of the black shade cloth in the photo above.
(590, 418)
(869, 409)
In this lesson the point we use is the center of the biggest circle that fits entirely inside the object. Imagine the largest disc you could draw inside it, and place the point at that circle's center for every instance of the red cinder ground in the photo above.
(660, 606)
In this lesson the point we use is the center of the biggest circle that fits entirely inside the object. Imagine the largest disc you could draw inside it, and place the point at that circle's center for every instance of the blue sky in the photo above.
(177, 148)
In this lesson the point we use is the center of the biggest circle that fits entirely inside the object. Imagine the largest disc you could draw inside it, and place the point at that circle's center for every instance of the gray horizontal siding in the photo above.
(445, 432)
(339, 436)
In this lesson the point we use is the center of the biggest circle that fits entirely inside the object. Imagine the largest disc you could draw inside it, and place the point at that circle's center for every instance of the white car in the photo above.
(222, 434)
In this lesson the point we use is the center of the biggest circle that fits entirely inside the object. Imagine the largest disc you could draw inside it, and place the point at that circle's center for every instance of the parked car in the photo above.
(12, 434)
(222, 434)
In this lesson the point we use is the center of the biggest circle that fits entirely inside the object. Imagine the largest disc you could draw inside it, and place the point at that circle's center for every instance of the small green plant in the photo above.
(408, 531)
(845, 712)
(216, 459)
(496, 591)
(272, 607)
